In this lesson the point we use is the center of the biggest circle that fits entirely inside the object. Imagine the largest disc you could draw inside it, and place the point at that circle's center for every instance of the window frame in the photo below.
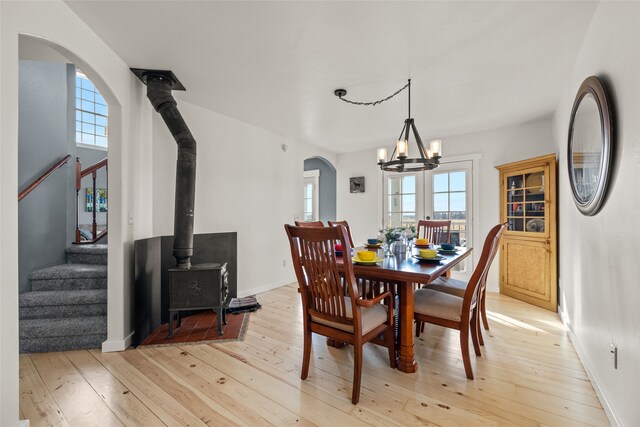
(311, 177)
(89, 118)
(419, 205)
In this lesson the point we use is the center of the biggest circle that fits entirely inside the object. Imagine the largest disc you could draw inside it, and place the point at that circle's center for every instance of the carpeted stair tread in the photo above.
(77, 297)
(63, 327)
(70, 271)
(87, 249)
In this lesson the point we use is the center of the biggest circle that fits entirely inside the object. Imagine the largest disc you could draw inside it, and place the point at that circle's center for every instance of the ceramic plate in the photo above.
(423, 246)
(372, 262)
(535, 225)
(437, 258)
(445, 252)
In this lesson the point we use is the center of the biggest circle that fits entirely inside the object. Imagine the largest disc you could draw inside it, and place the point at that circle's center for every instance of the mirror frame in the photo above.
(592, 86)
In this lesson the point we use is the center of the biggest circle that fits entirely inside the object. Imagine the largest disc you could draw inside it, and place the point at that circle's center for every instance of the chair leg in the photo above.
(480, 339)
(464, 347)
(391, 345)
(418, 327)
(357, 371)
(306, 355)
(474, 325)
(483, 311)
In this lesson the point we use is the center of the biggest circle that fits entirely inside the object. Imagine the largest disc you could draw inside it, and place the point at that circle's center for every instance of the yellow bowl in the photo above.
(428, 253)
(367, 255)
(422, 242)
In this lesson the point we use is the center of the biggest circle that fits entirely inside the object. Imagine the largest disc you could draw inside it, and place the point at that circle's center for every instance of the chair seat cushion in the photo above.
(437, 304)
(449, 286)
(371, 317)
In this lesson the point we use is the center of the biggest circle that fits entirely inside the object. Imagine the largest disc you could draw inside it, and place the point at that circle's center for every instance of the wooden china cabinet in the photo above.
(528, 256)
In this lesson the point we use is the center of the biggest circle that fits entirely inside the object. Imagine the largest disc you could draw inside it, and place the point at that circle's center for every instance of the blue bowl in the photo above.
(372, 241)
(447, 246)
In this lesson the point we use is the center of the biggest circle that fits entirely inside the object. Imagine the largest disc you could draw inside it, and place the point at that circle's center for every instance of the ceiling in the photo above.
(275, 65)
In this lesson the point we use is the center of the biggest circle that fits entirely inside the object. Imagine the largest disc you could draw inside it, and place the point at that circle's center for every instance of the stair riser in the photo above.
(55, 311)
(63, 327)
(47, 344)
(75, 258)
(69, 284)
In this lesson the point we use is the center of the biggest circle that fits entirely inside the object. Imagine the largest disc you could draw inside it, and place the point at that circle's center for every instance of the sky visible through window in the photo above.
(449, 192)
(91, 113)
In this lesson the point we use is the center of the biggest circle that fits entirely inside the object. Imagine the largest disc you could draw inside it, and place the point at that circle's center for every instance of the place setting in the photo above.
(373, 244)
(427, 255)
(422, 244)
(448, 249)
(366, 258)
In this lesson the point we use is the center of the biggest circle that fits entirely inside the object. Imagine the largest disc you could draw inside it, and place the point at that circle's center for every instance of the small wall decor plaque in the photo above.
(356, 184)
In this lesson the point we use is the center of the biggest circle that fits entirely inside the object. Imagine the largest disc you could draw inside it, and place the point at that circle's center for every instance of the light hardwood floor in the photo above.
(529, 374)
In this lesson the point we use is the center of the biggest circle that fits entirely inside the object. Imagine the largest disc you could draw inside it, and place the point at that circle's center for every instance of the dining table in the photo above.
(405, 271)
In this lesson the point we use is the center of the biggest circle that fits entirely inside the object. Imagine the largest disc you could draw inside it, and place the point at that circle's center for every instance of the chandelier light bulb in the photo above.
(382, 155)
(403, 148)
(429, 154)
(436, 147)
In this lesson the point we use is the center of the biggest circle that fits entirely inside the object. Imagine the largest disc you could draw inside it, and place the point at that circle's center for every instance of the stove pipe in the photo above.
(159, 86)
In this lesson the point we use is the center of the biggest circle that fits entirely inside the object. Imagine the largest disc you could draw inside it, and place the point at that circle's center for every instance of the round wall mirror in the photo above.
(590, 146)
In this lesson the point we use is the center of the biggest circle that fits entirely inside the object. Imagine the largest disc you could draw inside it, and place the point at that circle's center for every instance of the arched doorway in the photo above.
(63, 114)
(319, 172)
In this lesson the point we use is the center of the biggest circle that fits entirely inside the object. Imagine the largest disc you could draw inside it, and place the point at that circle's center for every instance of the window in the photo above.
(91, 113)
(400, 206)
(450, 202)
(310, 195)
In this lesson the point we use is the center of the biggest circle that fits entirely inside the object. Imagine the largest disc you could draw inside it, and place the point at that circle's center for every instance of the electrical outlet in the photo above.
(130, 218)
(614, 355)
(284, 263)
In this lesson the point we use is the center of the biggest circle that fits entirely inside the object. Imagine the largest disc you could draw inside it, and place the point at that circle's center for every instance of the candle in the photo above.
(403, 148)
(436, 147)
(382, 155)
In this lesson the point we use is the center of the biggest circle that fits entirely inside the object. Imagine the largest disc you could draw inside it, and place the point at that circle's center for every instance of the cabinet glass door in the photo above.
(526, 206)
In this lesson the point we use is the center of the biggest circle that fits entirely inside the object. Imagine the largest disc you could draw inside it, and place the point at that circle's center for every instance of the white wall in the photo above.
(245, 183)
(495, 147)
(599, 268)
(130, 139)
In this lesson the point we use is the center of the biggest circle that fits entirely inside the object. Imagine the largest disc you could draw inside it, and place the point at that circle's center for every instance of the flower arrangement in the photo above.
(393, 234)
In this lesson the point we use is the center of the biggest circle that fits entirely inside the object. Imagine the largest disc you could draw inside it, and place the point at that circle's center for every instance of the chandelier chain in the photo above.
(378, 101)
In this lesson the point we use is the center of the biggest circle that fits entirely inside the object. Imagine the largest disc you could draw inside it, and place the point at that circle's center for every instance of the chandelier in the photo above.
(400, 161)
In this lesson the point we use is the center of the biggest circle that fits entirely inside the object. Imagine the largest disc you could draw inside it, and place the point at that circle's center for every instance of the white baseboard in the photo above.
(264, 288)
(117, 345)
(587, 367)
(23, 423)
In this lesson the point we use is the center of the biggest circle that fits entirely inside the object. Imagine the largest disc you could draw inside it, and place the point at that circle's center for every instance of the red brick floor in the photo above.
(199, 327)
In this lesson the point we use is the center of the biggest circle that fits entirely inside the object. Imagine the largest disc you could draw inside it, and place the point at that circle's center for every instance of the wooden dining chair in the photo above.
(460, 313)
(434, 230)
(458, 288)
(309, 224)
(331, 304)
(346, 225)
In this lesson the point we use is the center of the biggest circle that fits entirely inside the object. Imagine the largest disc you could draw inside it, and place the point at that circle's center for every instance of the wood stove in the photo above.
(203, 286)
(198, 286)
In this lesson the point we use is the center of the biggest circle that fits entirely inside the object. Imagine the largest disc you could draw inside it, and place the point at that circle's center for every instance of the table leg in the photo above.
(406, 362)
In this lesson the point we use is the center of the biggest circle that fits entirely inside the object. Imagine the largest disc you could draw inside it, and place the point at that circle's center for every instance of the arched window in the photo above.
(91, 113)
